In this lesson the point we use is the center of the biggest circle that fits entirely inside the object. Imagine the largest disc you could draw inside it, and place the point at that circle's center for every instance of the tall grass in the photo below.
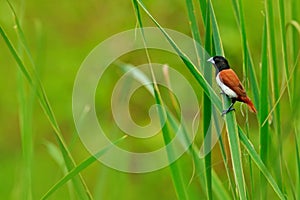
(274, 178)
(274, 62)
(26, 102)
(206, 101)
(230, 120)
(263, 130)
(34, 82)
(231, 125)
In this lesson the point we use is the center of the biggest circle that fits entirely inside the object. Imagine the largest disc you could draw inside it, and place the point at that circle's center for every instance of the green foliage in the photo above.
(269, 140)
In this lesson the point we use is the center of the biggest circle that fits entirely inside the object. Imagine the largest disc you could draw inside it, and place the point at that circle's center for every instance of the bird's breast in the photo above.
(229, 92)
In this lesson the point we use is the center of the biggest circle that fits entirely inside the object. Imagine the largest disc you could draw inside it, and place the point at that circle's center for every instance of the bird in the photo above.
(230, 84)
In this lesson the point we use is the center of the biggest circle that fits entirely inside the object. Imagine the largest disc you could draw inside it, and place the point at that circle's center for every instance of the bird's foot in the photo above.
(227, 111)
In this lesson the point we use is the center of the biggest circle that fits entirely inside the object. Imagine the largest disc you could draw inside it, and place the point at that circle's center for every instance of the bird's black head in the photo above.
(219, 62)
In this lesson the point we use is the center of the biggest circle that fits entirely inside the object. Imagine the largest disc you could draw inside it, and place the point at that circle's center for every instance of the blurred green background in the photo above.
(60, 35)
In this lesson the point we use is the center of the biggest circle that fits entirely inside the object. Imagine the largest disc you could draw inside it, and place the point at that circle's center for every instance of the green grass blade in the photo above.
(21, 35)
(273, 62)
(295, 104)
(255, 157)
(194, 27)
(263, 113)
(76, 170)
(138, 13)
(25, 102)
(207, 109)
(15, 55)
(235, 152)
(172, 125)
(298, 164)
(295, 56)
(206, 101)
(220, 192)
(253, 79)
(34, 82)
(247, 58)
(230, 122)
(174, 167)
(175, 171)
(218, 189)
(209, 49)
(204, 10)
(215, 31)
(55, 153)
(231, 125)
(290, 185)
(224, 156)
(192, 68)
(57, 156)
(193, 22)
(294, 42)
(282, 23)
(207, 113)
(199, 164)
(25, 110)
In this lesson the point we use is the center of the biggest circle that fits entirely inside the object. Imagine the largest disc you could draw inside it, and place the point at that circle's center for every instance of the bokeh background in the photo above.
(60, 35)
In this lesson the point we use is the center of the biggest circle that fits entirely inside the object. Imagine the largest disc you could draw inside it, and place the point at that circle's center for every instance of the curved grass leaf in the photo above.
(174, 166)
(192, 68)
(76, 170)
(255, 157)
(35, 83)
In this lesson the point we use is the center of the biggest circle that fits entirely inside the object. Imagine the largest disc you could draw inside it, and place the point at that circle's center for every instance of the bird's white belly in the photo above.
(229, 92)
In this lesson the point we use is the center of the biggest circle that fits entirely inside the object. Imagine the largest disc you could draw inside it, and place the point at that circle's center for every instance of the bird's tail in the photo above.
(250, 104)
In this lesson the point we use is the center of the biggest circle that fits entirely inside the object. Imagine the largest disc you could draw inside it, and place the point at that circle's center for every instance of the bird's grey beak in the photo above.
(211, 60)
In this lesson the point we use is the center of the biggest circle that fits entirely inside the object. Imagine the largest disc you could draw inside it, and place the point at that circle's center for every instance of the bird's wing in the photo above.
(231, 80)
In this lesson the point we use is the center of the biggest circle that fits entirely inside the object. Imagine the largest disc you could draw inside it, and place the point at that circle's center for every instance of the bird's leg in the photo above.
(229, 109)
